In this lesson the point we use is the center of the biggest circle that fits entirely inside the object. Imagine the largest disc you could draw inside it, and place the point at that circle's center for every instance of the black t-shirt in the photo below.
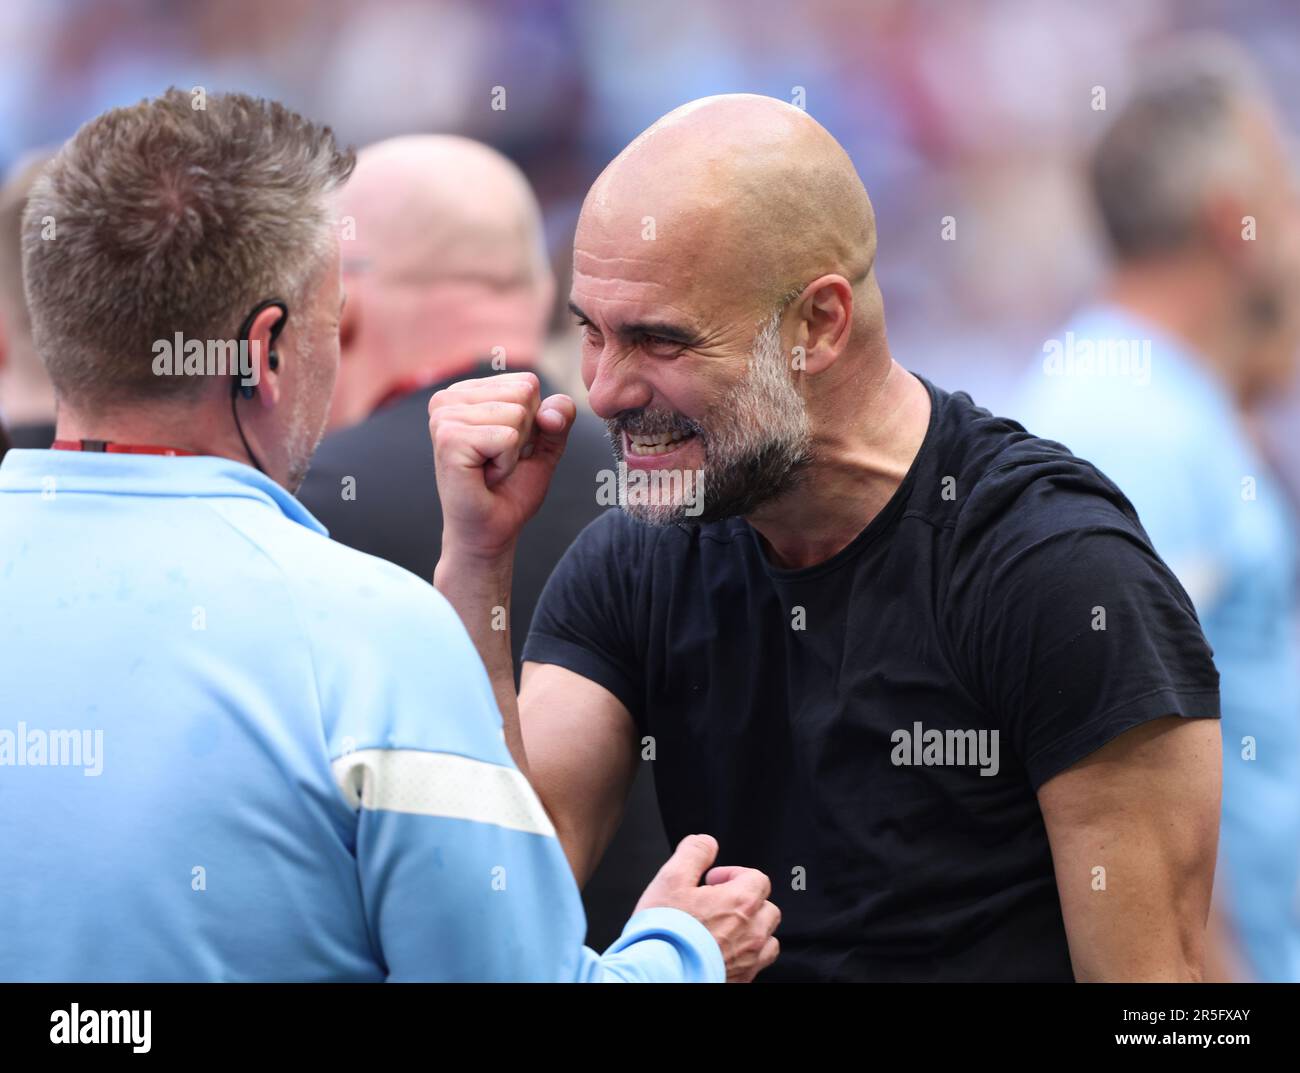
(1006, 587)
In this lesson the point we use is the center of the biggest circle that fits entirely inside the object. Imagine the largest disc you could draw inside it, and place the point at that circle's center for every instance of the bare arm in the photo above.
(479, 589)
(572, 739)
(1145, 808)
(496, 443)
(581, 745)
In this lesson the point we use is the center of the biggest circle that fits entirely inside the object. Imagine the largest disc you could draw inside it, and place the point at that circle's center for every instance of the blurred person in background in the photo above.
(445, 268)
(278, 758)
(1158, 383)
(26, 395)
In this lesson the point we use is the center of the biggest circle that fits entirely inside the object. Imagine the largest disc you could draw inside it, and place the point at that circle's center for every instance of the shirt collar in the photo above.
(202, 476)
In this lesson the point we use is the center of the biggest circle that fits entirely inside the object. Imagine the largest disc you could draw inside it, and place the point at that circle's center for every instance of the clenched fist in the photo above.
(496, 442)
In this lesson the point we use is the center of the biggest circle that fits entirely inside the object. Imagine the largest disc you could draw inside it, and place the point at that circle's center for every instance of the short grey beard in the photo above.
(756, 445)
(301, 440)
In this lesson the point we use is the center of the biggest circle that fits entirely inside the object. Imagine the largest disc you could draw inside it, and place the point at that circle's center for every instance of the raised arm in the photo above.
(496, 443)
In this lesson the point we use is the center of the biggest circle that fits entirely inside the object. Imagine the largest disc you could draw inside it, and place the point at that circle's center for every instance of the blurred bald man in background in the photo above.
(26, 394)
(921, 668)
(447, 276)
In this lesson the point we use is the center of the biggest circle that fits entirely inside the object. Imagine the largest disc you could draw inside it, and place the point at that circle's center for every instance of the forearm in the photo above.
(479, 590)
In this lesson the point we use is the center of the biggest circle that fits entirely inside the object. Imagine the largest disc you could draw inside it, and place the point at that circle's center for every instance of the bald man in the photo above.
(921, 668)
(446, 276)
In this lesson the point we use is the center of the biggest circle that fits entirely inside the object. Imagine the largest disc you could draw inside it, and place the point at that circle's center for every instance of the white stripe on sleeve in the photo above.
(441, 784)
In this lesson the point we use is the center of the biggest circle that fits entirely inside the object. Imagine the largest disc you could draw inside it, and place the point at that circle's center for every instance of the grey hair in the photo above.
(1175, 139)
(173, 215)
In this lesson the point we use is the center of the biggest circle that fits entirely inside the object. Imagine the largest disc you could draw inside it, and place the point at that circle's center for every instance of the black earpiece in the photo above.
(272, 358)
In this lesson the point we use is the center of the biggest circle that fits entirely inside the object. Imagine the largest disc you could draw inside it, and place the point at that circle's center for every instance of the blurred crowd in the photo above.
(979, 111)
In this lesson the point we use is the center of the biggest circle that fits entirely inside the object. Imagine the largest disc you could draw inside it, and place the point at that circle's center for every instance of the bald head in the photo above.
(744, 186)
(723, 278)
(434, 208)
(444, 263)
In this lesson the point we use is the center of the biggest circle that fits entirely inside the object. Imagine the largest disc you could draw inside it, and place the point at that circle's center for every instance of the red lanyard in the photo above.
(109, 447)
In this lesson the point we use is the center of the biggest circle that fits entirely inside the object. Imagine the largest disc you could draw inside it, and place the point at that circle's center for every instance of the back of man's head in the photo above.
(1183, 137)
(177, 214)
(445, 263)
(1197, 191)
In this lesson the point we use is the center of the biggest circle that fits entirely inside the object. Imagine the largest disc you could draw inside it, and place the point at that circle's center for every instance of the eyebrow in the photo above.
(661, 328)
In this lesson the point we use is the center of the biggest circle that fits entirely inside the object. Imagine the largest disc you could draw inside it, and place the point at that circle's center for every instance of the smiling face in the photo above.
(730, 231)
(688, 369)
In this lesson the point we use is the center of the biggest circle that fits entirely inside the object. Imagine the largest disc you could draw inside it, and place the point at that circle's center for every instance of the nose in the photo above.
(614, 383)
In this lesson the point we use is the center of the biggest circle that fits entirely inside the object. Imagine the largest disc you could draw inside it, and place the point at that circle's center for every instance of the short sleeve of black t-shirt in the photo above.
(1065, 621)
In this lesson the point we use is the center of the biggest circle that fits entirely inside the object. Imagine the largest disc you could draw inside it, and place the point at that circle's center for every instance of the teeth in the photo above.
(656, 445)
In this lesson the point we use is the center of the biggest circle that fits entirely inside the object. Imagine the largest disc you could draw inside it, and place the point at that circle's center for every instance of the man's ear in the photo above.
(266, 333)
(825, 311)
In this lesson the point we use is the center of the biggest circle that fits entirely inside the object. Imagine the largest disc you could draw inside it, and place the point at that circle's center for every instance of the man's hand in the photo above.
(495, 445)
(733, 905)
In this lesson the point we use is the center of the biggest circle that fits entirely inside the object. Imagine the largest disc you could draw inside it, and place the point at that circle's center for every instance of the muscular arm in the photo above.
(1145, 808)
(496, 444)
(581, 745)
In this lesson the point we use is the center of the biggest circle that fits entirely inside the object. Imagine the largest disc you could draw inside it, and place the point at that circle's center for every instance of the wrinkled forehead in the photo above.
(651, 253)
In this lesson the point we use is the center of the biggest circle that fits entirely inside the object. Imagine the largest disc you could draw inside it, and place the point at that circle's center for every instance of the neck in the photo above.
(862, 453)
(188, 430)
(1190, 304)
(430, 341)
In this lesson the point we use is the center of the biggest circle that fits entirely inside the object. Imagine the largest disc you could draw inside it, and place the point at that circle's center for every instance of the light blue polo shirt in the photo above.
(232, 749)
(1130, 399)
